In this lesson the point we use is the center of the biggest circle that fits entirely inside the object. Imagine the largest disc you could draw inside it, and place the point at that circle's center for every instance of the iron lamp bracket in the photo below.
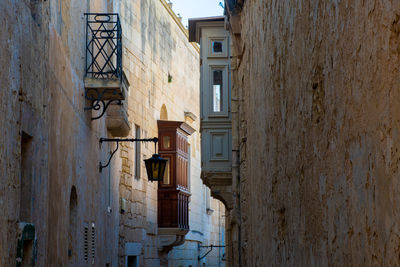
(199, 247)
(118, 140)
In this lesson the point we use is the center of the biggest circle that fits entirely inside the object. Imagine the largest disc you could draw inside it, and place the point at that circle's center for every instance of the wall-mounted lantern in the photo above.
(155, 166)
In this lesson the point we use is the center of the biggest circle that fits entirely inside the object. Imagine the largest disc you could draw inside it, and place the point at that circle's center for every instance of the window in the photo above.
(137, 153)
(217, 90)
(216, 47)
(73, 214)
(26, 178)
(167, 179)
(166, 141)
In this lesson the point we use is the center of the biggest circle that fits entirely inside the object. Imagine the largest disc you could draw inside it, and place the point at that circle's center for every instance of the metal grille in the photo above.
(93, 242)
(103, 45)
(86, 244)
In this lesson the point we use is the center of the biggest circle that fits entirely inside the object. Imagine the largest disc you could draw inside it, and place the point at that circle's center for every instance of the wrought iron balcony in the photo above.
(103, 45)
(105, 81)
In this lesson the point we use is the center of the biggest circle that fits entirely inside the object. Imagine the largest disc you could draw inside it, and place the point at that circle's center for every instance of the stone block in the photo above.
(132, 248)
(117, 120)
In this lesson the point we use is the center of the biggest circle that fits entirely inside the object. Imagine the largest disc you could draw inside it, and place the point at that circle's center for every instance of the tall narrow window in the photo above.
(26, 178)
(217, 90)
(73, 214)
(137, 153)
(166, 179)
(166, 141)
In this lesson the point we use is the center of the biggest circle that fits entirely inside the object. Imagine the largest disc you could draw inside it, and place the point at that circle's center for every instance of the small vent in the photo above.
(93, 242)
(86, 244)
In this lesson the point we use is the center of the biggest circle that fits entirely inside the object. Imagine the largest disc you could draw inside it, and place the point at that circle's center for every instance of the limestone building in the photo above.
(74, 75)
(315, 131)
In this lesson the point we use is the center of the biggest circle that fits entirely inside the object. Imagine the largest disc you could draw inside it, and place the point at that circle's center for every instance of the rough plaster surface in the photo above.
(318, 84)
(23, 42)
(41, 94)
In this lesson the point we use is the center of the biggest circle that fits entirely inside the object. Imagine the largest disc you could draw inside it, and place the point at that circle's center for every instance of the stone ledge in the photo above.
(170, 237)
(107, 89)
(117, 121)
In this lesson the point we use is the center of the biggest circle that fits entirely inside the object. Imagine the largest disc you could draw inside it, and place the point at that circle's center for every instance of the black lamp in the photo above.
(155, 167)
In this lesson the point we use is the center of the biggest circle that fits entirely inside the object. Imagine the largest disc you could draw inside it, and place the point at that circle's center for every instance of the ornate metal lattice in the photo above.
(103, 57)
(103, 45)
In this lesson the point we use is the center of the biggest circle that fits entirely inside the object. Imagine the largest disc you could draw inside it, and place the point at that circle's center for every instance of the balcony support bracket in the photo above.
(98, 102)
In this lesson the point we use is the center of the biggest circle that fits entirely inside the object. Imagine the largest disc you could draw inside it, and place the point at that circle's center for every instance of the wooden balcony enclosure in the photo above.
(174, 191)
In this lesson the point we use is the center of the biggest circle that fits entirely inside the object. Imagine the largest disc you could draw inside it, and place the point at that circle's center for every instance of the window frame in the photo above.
(223, 40)
(224, 92)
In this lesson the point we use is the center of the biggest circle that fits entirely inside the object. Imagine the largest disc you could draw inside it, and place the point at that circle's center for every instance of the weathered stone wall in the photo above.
(74, 151)
(23, 107)
(317, 85)
(41, 82)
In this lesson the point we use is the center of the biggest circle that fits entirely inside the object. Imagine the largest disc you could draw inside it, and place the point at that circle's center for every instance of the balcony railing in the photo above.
(103, 45)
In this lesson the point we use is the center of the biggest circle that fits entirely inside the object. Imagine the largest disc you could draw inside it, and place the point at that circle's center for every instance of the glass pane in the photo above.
(217, 90)
(166, 142)
(154, 167)
(166, 174)
(217, 47)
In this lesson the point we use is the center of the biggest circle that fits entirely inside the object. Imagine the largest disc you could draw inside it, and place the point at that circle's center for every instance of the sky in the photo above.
(195, 8)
